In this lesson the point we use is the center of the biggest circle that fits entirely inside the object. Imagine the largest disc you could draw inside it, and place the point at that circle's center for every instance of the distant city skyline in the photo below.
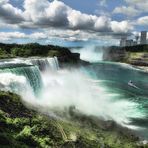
(71, 22)
(139, 38)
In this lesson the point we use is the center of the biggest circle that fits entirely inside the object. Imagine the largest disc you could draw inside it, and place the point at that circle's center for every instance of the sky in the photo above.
(71, 22)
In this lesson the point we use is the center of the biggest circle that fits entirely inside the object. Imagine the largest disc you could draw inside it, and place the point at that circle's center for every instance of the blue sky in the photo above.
(71, 22)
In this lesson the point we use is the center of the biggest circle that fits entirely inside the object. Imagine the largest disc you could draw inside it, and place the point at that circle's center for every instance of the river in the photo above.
(99, 89)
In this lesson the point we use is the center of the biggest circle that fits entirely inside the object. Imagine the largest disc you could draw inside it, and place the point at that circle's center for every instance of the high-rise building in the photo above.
(123, 42)
(137, 39)
(129, 43)
(143, 37)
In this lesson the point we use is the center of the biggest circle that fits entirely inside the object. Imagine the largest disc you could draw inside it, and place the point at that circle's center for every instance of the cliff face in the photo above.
(23, 127)
(135, 55)
(72, 59)
(114, 54)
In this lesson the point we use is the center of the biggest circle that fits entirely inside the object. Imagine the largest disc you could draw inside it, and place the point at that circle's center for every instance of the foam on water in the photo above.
(65, 88)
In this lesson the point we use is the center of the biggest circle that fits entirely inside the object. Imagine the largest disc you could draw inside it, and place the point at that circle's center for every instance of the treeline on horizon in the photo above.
(31, 49)
(136, 48)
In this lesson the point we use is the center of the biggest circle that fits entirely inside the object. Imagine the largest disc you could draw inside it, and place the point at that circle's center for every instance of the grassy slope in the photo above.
(22, 127)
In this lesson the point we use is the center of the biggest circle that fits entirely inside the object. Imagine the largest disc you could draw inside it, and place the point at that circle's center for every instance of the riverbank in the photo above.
(64, 55)
(134, 55)
(24, 127)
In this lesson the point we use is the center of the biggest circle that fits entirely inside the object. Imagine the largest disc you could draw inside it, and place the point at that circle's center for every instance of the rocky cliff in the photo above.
(135, 55)
(114, 54)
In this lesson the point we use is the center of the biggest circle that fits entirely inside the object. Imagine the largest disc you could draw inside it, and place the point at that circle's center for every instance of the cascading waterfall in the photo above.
(45, 64)
(30, 72)
(89, 53)
(63, 88)
(17, 84)
(30, 68)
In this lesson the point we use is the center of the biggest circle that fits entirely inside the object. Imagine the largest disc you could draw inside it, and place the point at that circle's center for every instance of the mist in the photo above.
(65, 88)
(90, 53)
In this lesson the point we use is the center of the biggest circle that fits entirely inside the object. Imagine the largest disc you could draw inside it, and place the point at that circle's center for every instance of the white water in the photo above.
(15, 83)
(65, 88)
(89, 53)
(72, 88)
(44, 64)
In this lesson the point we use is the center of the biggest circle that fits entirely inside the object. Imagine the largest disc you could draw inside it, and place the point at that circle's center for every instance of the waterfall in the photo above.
(45, 64)
(89, 53)
(30, 68)
(90, 89)
(30, 72)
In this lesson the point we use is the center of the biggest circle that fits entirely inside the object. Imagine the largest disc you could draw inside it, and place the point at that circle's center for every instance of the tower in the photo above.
(143, 37)
(137, 39)
(123, 42)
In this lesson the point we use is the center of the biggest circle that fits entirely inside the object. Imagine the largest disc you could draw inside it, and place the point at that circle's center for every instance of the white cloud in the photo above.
(132, 8)
(127, 10)
(2, 2)
(102, 24)
(59, 20)
(58, 14)
(77, 20)
(6, 36)
(121, 27)
(46, 13)
(103, 3)
(11, 35)
(139, 4)
(143, 21)
(10, 14)
(38, 36)
(47, 35)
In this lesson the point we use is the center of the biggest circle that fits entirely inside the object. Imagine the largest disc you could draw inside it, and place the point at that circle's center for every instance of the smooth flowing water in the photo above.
(114, 78)
(99, 89)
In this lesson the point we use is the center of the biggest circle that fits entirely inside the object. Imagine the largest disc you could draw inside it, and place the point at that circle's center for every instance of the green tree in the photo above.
(20, 52)
(3, 53)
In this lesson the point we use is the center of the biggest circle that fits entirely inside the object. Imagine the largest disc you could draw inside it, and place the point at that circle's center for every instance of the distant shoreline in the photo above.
(134, 55)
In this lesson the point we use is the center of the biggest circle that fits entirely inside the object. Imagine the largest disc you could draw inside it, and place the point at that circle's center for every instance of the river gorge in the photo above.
(100, 89)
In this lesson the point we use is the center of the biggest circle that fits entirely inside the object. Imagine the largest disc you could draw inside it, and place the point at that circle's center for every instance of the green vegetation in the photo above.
(23, 128)
(34, 49)
(136, 48)
(4, 54)
(136, 55)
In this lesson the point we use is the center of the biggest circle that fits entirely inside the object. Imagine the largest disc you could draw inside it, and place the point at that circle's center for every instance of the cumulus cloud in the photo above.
(54, 34)
(58, 14)
(143, 21)
(38, 35)
(10, 14)
(45, 13)
(121, 27)
(103, 24)
(57, 20)
(127, 10)
(77, 20)
(4, 36)
(132, 8)
(141, 5)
